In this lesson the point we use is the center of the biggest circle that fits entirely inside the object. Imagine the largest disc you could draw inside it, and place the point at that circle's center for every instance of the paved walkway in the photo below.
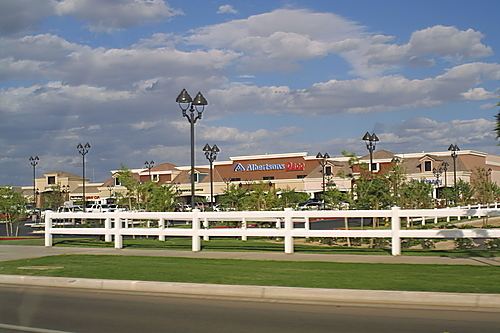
(13, 252)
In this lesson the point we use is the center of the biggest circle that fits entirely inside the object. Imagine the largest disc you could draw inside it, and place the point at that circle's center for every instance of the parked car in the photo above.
(310, 204)
(100, 208)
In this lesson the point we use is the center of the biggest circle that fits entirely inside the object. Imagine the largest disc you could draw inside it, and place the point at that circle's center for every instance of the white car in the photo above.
(99, 208)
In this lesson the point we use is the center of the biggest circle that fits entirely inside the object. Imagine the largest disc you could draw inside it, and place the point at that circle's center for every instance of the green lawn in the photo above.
(446, 278)
(253, 244)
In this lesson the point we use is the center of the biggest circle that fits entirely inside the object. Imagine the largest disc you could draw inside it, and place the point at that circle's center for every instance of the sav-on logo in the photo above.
(239, 167)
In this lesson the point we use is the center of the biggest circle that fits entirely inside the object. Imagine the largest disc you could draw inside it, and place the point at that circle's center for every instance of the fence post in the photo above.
(478, 209)
(48, 227)
(244, 228)
(423, 220)
(161, 226)
(107, 229)
(205, 226)
(307, 225)
(118, 235)
(395, 229)
(470, 216)
(196, 241)
(278, 223)
(435, 217)
(288, 231)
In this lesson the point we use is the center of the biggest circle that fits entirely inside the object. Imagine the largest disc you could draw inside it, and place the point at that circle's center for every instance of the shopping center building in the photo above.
(298, 171)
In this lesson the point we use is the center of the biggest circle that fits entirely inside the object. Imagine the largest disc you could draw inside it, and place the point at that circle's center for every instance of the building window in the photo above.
(155, 178)
(51, 180)
(268, 177)
(301, 176)
(117, 182)
(427, 166)
(374, 167)
(328, 170)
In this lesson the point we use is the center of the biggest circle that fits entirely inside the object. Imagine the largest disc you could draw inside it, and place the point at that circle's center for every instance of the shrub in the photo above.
(464, 243)
(427, 244)
(492, 244)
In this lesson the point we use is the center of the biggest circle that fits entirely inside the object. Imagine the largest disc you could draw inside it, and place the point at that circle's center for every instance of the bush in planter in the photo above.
(464, 243)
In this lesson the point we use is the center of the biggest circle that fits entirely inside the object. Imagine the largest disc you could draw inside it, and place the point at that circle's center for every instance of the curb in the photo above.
(320, 296)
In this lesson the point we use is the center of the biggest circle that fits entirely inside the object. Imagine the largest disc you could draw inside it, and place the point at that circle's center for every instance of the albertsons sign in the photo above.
(289, 166)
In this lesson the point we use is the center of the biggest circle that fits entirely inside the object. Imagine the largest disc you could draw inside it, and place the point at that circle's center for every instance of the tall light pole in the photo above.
(149, 165)
(211, 155)
(323, 161)
(371, 142)
(83, 150)
(444, 167)
(454, 149)
(34, 163)
(198, 104)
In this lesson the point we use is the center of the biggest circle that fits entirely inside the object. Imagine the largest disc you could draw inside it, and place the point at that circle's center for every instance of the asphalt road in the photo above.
(84, 311)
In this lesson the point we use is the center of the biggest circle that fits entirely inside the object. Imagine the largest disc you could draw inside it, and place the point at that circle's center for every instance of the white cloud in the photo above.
(226, 9)
(283, 37)
(20, 15)
(54, 58)
(357, 95)
(116, 14)
(478, 94)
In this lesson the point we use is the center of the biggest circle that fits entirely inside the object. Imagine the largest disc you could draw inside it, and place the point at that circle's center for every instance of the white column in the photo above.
(244, 228)
(435, 217)
(395, 229)
(278, 223)
(161, 226)
(288, 231)
(107, 229)
(423, 220)
(307, 225)
(48, 229)
(118, 236)
(470, 216)
(205, 226)
(196, 241)
(478, 208)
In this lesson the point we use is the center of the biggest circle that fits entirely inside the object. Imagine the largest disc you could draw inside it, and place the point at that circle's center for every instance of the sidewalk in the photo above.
(14, 252)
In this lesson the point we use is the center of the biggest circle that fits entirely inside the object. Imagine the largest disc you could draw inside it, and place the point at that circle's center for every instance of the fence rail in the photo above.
(120, 224)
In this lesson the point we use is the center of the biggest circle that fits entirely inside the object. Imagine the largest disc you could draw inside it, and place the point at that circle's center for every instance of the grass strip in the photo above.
(442, 278)
(252, 245)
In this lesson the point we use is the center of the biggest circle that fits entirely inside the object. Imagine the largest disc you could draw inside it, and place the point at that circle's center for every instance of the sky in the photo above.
(279, 77)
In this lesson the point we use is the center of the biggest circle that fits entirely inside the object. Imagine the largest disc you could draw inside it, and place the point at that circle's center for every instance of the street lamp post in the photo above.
(323, 161)
(65, 192)
(83, 150)
(149, 165)
(34, 163)
(444, 167)
(110, 189)
(198, 104)
(211, 155)
(371, 142)
(454, 149)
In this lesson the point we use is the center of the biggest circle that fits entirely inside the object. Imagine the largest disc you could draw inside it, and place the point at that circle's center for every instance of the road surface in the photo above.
(86, 311)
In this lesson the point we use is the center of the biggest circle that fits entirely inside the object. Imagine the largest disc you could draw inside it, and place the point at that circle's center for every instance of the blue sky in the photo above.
(280, 76)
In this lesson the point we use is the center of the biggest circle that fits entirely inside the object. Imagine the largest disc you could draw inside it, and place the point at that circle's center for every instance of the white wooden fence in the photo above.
(120, 224)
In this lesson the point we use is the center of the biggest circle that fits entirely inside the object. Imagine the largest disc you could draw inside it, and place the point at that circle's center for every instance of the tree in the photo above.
(460, 195)
(291, 198)
(233, 197)
(485, 191)
(161, 198)
(416, 194)
(132, 196)
(12, 209)
(335, 198)
(497, 128)
(53, 199)
(261, 197)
